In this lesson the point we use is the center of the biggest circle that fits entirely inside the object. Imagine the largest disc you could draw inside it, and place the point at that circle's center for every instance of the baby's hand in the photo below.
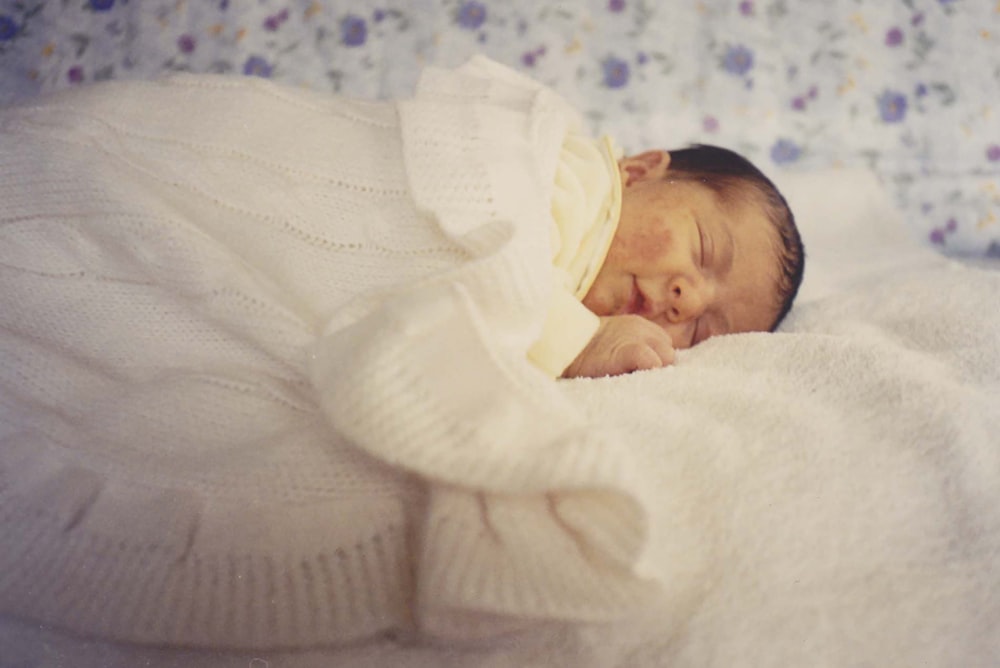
(623, 344)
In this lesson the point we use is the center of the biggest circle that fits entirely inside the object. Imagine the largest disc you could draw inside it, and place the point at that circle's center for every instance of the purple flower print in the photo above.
(993, 153)
(920, 90)
(892, 106)
(530, 58)
(101, 5)
(616, 5)
(273, 22)
(641, 58)
(257, 67)
(75, 74)
(746, 8)
(616, 72)
(471, 15)
(710, 124)
(8, 28)
(378, 16)
(353, 30)
(738, 60)
(785, 151)
(799, 103)
(939, 234)
(186, 44)
(894, 37)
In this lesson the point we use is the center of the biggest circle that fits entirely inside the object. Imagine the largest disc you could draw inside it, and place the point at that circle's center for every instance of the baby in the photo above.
(279, 330)
(705, 245)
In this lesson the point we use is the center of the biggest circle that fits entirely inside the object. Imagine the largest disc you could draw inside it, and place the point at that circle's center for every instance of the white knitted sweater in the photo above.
(262, 368)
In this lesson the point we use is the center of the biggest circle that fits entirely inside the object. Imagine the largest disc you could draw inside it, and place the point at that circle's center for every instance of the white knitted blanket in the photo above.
(262, 369)
(827, 496)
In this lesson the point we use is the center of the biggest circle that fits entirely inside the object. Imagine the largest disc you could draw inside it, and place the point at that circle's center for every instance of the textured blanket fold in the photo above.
(441, 388)
(262, 369)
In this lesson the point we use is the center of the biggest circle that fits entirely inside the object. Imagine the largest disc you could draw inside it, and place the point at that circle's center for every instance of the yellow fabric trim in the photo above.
(568, 327)
(606, 224)
(586, 204)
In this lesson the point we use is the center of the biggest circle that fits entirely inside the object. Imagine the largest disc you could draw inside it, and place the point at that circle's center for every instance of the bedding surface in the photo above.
(829, 494)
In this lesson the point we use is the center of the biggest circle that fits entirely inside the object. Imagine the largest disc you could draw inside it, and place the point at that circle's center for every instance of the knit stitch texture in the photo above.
(232, 416)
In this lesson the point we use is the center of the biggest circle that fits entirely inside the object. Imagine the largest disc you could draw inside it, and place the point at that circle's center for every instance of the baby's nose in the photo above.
(687, 299)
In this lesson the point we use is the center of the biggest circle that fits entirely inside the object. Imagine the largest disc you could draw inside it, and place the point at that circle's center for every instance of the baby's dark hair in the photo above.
(728, 173)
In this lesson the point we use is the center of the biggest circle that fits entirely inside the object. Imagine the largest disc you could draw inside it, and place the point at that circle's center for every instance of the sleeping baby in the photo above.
(243, 319)
(274, 194)
(704, 245)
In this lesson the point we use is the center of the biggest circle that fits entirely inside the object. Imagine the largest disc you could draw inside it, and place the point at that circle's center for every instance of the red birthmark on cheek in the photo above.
(651, 243)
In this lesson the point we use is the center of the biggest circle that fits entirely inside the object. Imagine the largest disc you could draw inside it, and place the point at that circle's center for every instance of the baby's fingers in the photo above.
(637, 357)
(664, 349)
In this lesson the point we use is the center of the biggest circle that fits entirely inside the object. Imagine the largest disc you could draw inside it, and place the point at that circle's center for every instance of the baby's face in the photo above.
(686, 261)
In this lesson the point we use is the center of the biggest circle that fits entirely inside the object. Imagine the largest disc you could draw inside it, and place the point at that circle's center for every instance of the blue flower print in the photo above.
(892, 106)
(102, 5)
(616, 72)
(785, 151)
(738, 60)
(8, 28)
(353, 30)
(471, 15)
(257, 67)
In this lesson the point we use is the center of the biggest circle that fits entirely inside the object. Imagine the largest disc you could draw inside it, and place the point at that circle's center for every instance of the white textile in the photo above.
(263, 379)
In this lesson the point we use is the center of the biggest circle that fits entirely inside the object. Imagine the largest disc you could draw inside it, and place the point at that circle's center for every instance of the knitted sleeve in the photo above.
(534, 511)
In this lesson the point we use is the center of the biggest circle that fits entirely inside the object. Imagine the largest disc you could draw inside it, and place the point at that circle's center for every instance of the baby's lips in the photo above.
(636, 301)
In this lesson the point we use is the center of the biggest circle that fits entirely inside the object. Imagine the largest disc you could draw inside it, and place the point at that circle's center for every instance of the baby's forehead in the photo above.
(738, 195)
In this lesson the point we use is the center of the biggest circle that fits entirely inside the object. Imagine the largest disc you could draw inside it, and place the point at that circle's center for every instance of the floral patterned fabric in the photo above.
(910, 88)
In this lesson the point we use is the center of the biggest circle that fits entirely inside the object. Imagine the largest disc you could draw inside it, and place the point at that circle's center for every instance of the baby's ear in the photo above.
(644, 166)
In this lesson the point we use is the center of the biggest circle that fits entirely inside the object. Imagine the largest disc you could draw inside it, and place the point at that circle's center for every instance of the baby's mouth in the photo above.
(636, 301)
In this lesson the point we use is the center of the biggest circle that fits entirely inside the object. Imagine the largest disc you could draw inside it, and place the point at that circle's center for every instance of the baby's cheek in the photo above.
(648, 245)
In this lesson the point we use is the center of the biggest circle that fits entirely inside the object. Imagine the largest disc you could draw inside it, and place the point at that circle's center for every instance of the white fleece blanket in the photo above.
(830, 494)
